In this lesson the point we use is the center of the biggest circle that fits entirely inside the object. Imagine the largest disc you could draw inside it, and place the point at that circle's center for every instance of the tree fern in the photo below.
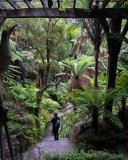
(92, 98)
(79, 64)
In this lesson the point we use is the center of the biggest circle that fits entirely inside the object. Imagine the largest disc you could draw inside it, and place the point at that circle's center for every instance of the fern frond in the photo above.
(65, 131)
(114, 119)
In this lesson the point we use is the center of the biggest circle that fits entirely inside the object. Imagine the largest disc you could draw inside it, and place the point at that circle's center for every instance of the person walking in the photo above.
(56, 125)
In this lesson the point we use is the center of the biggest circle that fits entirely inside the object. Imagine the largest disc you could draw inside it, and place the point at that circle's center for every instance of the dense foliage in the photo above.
(21, 103)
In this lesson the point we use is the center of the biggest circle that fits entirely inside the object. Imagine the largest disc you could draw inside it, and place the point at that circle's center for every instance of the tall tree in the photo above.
(44, 37)
(94, 31)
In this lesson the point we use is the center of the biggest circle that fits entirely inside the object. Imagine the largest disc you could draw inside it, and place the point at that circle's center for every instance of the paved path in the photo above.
(48, 145)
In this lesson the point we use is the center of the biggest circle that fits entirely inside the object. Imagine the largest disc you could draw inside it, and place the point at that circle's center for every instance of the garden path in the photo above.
(49, 145)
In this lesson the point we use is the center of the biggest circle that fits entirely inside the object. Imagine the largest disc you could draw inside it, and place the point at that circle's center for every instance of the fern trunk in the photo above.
(97, 43)
(95, 111)
(95, 119)
(122, 113)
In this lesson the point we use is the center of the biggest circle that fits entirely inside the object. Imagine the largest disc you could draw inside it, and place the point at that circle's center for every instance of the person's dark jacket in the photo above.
(54, 120)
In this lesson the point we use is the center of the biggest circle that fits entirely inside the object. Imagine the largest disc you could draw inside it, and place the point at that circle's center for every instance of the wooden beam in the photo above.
(68, 13)
(13, 4)
(119, 3)
(105, 2)
(2, 6)
(28, 3)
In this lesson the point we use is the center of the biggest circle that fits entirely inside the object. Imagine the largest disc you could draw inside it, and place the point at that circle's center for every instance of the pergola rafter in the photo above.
(119, 3)
(13, 4)
(28, 3)
(104, 4)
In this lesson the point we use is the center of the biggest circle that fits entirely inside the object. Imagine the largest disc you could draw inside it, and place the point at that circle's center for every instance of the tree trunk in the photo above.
(96, 55)
(95, 111)
(114, 46)
(37, 109)
(122, 112)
